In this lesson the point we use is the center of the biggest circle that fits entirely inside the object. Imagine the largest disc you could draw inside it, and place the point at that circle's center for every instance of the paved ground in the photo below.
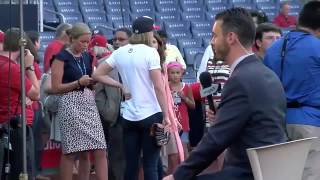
(56, 177)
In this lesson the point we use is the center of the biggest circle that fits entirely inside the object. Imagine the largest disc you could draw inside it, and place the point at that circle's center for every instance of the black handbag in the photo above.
(15, 121)
(161, 136)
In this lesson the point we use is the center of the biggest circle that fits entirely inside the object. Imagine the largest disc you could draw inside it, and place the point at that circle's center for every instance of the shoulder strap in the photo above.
(284, 49)
(16, 110)
(283, 54)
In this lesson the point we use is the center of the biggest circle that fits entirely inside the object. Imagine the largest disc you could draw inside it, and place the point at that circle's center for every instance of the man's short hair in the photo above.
(11, 40)
(126, 30)
(283, 4)
(62, 28)
(266, 27)
(309, 15)
(239, 21)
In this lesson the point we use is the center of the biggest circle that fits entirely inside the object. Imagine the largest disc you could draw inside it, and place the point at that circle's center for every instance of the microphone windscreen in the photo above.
(205, 79)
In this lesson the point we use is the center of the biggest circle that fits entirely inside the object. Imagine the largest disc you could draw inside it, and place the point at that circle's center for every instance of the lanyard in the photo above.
(84, 70)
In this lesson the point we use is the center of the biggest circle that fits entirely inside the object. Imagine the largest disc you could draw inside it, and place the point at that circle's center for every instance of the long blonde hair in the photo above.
(143, 38)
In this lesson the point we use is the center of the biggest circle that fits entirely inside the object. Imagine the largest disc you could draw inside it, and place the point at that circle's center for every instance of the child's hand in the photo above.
(180, 93)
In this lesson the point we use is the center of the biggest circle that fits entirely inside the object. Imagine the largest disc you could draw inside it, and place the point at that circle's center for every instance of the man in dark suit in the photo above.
(252, 109)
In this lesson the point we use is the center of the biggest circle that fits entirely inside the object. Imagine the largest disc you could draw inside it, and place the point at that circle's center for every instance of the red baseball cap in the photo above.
(156, 27)
(98, 40)
(1, 37)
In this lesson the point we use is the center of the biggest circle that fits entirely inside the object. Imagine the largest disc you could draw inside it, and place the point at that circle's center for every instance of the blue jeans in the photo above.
(136, 138)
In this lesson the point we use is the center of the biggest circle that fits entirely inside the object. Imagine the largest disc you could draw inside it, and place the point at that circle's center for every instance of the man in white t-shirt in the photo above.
(140, 70)
(208, 54)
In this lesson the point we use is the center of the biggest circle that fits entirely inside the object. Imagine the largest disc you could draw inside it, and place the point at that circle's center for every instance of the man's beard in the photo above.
(221, 54)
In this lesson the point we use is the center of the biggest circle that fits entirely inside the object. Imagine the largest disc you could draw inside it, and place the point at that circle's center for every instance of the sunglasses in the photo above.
(119, 39)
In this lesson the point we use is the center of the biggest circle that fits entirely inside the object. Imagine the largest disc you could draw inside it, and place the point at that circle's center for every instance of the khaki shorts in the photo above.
(312, 166)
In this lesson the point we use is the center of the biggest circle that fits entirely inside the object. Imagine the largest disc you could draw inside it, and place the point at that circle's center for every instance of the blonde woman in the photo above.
(80, 125)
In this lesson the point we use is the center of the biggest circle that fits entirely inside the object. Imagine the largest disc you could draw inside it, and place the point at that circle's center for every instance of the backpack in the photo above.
(49, 108)
(108, 101)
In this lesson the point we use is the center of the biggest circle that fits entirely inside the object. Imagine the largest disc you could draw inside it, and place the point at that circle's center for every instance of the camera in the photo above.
(15, 122)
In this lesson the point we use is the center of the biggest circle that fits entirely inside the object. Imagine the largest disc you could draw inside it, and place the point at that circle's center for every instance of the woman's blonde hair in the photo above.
(143, 38)
(78, 30)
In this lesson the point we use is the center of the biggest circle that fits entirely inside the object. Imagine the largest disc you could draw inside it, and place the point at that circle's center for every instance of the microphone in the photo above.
(208, 88)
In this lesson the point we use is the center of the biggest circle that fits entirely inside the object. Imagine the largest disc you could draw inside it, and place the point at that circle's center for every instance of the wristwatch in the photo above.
(30, 68)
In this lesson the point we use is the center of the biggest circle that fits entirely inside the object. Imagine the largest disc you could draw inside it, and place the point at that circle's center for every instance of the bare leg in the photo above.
(100, 164)
(66, 165)
(75, 166)
(84, 166)
(173, 162)
(185, 150)
(141, 173)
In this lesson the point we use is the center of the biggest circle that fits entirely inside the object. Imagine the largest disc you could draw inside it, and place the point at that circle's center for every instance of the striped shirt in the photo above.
(220, 74)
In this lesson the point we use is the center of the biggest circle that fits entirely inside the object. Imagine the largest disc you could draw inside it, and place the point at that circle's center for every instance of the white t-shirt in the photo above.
(173, 55)
(208, 53)
(134, 63)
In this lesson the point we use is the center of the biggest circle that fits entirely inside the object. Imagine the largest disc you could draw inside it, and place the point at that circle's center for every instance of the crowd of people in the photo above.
(106, 102)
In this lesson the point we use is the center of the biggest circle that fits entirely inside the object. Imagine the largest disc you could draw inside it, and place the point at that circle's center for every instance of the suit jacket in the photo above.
(251, 114)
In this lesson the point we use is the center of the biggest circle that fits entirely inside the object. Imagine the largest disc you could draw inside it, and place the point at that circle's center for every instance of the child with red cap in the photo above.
(99, 46)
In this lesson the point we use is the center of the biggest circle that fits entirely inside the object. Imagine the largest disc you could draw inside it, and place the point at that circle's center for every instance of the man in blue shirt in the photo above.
(295, 58)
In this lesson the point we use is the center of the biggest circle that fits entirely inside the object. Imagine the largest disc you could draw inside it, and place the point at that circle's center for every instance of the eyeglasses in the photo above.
(272, 37)
(119, 39)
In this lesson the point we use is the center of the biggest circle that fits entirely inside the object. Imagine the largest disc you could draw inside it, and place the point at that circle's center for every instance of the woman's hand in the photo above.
(126, 93)
(28, 58)
(85, 80)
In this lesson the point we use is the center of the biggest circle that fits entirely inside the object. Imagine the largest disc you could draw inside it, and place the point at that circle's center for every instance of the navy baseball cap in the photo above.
(143, 24)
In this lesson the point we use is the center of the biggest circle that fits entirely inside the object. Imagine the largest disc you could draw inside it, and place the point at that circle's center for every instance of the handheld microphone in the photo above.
(207, 88)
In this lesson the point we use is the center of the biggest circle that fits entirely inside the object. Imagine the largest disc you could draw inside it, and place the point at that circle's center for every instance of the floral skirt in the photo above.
(80, 123)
